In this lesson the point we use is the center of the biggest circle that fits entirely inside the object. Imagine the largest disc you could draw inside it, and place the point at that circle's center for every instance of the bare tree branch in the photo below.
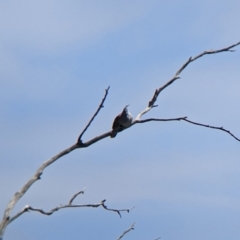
(75, 195)
(189, 121)
(95, 114)
(176, 76)
(130, 229)
(213, 127)
(191, 59)
(126, 231)
(28, 208)
(6, 218)
(37, 175)
(29, 183)
(159, 120)
(40, 170)
(115, 210)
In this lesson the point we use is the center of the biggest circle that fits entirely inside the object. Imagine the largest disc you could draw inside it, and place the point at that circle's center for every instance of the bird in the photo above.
(123, 120)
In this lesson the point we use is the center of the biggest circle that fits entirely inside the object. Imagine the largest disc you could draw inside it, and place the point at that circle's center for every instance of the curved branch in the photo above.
(75, 195)
(213, 127)
(189, 121)
(29, 183)
(95, 114)
(191, 59)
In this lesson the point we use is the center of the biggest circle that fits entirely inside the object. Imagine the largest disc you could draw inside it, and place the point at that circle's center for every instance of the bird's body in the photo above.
(123, 120)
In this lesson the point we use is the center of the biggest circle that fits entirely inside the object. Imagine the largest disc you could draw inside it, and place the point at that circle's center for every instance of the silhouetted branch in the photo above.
(39, 172)
(189, 121)
(213, 127)
(28, 208)
(6, 218)
(191, 59)
(75, 195)
(115, 210)
(176, 76)
(126, 231)
(159, 120)
(130, 229)
(95, 114)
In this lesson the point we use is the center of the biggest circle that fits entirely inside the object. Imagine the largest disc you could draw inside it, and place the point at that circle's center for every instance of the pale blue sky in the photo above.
(57, 58)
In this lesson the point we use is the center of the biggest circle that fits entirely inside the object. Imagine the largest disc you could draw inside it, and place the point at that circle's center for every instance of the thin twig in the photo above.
(115, 210)
(126, 231)
(75, 195)
(191, 59)
(130, 229)
(213, 127)
(189, 121)
(95, 114)
(159, 120)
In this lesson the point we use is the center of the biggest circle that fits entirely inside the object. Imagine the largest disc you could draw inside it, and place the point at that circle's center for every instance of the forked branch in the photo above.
(7, 219)
(28, 208)
(39, 172)
(151, 103)
(190, 60)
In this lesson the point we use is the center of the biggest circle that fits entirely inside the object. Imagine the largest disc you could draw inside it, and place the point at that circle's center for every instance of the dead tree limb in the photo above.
(213, 127)
(189, 121)
(126, 231)
(95, 114)
(177, 76)
(102, 204)
(6, 217)
(190, 60)
(130, 229)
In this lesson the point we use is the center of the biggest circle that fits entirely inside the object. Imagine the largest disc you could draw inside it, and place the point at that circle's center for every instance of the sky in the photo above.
(58, 57)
